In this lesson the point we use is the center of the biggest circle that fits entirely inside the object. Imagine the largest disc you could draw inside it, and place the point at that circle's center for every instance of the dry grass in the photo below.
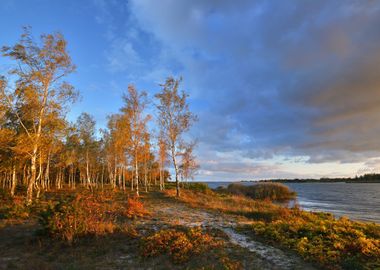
(231, 204)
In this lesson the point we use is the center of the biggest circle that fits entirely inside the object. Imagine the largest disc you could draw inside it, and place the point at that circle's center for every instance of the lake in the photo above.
(358, 201)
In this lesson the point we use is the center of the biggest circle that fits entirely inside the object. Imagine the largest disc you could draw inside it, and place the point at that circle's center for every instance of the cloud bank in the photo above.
(273, 82)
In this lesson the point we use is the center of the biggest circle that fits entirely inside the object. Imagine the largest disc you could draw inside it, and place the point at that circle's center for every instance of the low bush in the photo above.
(263, 191)
(12, 208)
(198, 187)
(87, 214)
(332, 243)
(180, 243)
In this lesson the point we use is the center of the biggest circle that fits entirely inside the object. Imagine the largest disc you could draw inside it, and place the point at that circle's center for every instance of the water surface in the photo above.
(358, 201)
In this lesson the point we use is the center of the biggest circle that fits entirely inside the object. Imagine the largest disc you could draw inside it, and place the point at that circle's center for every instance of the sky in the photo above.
(282, 89)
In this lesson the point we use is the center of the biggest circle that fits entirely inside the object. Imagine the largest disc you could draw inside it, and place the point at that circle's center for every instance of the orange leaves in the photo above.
(88, 214)
(135, 208)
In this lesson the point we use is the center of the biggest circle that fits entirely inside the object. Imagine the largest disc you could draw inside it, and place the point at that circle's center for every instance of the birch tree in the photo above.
(135, 104)
(38, 89)
(162, 158)
(175, 119)
(189, 165)
(86, 129)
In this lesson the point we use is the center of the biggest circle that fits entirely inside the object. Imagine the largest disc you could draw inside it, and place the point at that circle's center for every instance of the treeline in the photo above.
(366, 178)
(40, 149)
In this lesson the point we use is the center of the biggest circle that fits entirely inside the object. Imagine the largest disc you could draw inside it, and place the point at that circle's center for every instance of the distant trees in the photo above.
(175, 119)
(40, 150)
(87, 145)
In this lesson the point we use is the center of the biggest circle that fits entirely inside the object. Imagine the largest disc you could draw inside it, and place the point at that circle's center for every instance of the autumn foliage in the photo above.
(88, 214)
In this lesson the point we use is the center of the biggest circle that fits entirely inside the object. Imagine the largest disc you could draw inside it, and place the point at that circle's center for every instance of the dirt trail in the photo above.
(172, 212)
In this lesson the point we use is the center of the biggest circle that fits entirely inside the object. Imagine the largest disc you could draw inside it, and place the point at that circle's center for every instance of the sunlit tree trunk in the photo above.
(88, 177)
(14, 180)
(176, 172)
(136, 175)
(29, 193)
(161, 179)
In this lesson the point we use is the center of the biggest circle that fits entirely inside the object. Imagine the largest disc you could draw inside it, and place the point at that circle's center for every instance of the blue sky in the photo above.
(282, 89)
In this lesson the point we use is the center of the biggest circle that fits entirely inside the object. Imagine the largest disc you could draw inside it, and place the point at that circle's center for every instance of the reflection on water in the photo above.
(357, 201)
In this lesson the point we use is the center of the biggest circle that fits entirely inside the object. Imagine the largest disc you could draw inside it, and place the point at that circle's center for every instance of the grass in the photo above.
(231, 204)
(261, 191)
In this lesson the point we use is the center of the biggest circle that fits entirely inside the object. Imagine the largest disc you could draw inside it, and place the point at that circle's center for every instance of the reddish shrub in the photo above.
(88, 214)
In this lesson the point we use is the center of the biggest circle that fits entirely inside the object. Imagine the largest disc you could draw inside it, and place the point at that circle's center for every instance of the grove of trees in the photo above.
(41, 150)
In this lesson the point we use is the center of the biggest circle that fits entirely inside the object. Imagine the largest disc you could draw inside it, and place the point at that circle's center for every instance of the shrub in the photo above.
(133, 209)
(180, 243)
(87, 214)
(262, 191)
(12, 208)
(335, 244)
(198, 187)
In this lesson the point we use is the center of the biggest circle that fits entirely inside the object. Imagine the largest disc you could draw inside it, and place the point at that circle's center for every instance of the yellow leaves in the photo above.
(368, 246)
(302, 245)
(339, 246)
